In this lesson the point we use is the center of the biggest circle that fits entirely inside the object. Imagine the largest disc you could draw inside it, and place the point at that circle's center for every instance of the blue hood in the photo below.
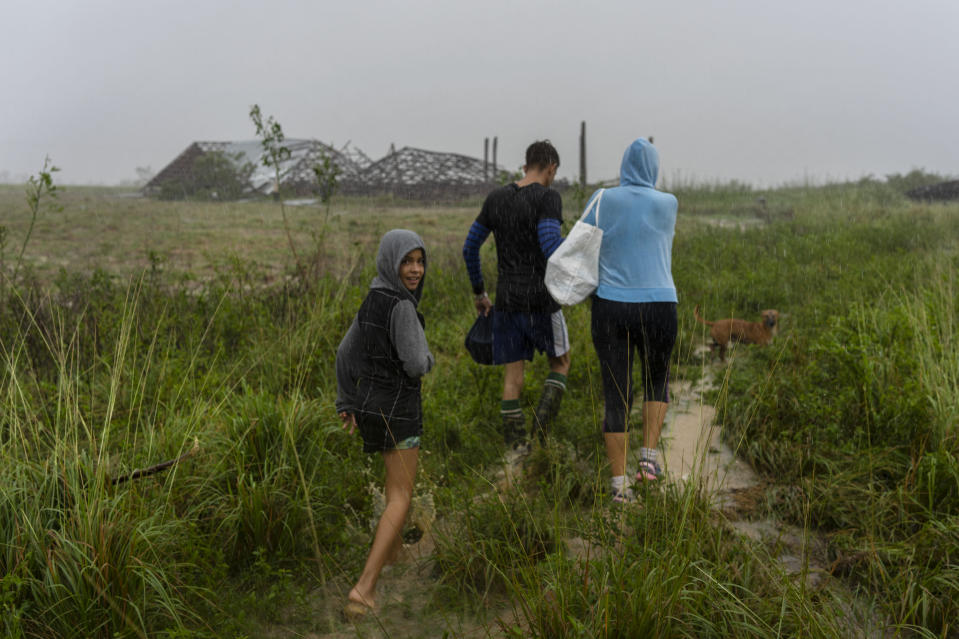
(640, 165)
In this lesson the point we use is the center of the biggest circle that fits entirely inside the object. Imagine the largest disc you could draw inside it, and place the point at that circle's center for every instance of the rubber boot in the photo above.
(514, 431)
(547, 409)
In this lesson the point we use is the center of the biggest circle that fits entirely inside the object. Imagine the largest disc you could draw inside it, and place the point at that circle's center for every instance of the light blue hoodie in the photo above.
(638, 222)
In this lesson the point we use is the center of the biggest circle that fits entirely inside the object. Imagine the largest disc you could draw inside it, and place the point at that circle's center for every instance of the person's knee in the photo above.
(399, 498)
(657, 393)
(400, 489)
(560, 364)
(614, 424)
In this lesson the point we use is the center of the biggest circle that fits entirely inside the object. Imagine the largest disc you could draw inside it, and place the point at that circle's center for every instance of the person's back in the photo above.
(638, 225)
(513, 213)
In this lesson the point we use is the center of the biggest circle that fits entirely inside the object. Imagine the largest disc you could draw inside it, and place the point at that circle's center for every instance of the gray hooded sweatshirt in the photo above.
(355, 356)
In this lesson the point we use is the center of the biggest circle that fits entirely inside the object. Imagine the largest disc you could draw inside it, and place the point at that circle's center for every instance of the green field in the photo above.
(132, 328)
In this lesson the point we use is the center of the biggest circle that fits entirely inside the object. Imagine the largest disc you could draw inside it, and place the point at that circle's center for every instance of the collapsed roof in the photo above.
(410, 167)
(296, 168)
(409, 171)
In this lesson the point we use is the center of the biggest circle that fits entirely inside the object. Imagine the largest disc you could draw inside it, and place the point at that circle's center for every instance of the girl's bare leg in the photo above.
(400, 471)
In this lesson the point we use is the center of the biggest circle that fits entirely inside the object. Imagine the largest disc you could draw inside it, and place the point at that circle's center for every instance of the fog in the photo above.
(765, 93)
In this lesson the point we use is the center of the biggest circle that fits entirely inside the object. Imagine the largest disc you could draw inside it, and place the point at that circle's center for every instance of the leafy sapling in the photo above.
(275, 152)
(40, 188)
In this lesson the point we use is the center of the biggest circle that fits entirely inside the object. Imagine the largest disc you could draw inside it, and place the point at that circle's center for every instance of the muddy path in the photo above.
(693, 451)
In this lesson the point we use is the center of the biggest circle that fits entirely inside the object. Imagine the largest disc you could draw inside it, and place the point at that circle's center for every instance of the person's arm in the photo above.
(549, 222)
(550, 235)
(408, 338)
(471, 255)
(345, 365)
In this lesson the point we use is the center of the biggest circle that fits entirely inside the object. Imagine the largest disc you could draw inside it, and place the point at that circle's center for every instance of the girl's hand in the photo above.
(349, 422)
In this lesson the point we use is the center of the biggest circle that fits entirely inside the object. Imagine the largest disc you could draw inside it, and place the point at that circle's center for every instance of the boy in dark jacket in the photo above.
(524, 218)
(379, 364)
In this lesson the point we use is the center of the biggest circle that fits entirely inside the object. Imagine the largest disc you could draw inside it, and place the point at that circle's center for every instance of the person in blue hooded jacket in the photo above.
(634, 308)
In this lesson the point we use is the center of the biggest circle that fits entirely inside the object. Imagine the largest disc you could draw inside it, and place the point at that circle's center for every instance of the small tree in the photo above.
(271, 139)
(144, 175)
(39, 189)
(218, 175)
(274, 152)
(327, 174)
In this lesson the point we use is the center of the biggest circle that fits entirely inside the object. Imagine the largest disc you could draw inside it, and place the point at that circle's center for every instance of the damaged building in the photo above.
(296, 174)
(418, 174)
(408, 173)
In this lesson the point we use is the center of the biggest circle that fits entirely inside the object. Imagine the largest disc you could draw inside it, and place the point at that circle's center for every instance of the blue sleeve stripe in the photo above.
(471, 254)
(550, 235)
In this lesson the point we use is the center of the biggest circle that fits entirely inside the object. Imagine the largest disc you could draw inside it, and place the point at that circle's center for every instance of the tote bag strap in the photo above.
(595, 205)
(598, 200)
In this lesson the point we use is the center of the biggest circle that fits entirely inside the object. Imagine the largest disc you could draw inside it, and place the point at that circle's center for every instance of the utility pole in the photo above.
(582, 153)
(486, 159)
(494, 156)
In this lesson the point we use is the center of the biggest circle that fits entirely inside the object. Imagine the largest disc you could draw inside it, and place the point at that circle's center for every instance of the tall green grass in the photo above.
(851, 415)
(855, 415)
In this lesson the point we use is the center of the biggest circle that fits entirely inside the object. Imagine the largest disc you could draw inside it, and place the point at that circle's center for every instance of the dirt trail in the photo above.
(692, 448)
(694, 451)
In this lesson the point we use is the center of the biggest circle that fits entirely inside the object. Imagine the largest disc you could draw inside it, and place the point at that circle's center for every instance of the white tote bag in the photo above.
(572, 271)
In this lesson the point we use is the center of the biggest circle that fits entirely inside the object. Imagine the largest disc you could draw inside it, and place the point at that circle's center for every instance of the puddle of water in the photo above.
(692, 449)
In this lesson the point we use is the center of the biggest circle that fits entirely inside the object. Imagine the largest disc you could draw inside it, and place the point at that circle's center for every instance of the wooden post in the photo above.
(486, 159)
(582, 153)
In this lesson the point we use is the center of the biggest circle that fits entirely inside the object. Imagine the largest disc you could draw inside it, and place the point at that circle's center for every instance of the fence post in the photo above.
(485, 159)
(582, 153)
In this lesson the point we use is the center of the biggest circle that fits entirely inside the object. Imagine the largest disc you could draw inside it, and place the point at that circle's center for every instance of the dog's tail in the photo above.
(700, 319)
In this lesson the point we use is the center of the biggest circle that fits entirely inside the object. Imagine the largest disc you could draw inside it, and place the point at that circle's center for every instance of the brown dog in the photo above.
(736, 330)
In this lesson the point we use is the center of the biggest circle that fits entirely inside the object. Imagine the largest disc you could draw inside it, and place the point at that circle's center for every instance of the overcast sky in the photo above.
(759, 91)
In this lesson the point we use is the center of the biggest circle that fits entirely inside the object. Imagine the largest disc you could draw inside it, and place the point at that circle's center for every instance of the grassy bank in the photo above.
(138, 328)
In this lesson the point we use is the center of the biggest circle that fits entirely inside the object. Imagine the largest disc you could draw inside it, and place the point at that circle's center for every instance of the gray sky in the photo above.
(761, 91)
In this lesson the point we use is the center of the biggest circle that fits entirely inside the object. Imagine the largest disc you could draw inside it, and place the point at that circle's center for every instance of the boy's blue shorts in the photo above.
(517, 336)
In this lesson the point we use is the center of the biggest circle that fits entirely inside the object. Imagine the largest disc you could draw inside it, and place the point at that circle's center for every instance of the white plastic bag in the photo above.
(572, 271)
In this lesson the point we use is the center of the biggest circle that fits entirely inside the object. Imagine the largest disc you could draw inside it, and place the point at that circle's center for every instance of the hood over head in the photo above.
(394, 246)
(640, 165)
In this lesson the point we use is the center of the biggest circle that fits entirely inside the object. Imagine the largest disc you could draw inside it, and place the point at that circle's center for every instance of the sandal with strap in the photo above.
(648, 471)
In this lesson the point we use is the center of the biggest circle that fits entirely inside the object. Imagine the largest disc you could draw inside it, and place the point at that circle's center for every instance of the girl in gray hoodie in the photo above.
(379, 364)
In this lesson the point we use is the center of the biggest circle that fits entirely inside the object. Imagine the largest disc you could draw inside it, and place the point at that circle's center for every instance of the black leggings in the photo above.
(619, 329)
